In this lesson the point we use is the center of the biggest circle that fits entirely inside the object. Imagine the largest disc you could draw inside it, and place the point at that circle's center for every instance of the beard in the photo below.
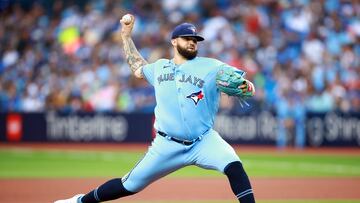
(186, 53)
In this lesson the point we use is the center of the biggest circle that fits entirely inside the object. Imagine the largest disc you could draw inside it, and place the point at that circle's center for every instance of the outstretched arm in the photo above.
(133, 57)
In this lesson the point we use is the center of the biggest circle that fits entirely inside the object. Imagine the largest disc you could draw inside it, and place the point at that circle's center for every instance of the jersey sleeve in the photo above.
(148, 72)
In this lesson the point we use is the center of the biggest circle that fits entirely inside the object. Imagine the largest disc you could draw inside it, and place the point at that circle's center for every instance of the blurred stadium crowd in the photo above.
(66, 55)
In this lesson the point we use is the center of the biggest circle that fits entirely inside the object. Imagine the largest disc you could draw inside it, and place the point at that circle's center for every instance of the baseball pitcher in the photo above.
(187, 92)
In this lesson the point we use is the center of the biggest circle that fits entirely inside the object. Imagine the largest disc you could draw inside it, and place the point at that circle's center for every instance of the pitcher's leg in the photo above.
(162, 158)
(112, 189)
(239, 182)
(212, 152)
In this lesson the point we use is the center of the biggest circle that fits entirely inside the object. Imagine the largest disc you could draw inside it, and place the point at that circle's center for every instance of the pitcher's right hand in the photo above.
(126, 29)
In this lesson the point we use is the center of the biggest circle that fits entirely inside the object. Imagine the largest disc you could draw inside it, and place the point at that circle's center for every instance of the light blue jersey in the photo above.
(187, 101)
(186, 95)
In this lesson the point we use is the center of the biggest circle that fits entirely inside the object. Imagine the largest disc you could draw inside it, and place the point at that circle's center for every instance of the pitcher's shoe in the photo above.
(75, 199)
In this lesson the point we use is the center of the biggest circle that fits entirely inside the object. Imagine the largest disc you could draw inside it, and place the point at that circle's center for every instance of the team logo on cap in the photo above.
(193, 29)
(196, 97)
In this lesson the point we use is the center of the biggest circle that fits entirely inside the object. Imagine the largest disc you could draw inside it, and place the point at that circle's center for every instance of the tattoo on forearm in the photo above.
(133, 57)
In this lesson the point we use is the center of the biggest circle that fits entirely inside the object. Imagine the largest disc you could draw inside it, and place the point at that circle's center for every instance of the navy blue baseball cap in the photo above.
(186, 30)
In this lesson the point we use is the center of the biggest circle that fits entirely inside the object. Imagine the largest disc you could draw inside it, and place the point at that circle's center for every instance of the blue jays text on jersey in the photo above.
(184, 78)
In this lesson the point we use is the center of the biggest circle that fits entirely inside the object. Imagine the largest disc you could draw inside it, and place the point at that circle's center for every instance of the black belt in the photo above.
(184, 142)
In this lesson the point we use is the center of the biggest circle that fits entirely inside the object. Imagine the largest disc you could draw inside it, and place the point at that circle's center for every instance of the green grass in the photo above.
(30, 163)
(56, 163)
(302, 165)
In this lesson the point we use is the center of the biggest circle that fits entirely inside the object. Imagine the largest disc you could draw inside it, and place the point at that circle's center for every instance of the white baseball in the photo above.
(126, 19)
